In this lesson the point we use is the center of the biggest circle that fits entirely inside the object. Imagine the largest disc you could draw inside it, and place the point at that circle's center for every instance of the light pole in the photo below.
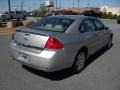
(22, 3)
(56, 5)
(78, 3)
(9, 9)
(10, 22)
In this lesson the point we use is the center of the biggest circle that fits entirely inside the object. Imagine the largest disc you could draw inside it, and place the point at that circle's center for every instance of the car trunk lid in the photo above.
(32, 38)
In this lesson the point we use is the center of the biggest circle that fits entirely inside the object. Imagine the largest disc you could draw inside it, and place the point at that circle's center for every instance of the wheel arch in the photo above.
(84, 49)
(111, 35)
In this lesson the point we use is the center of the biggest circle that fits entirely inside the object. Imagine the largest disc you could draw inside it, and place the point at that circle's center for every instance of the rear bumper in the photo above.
(46, 60)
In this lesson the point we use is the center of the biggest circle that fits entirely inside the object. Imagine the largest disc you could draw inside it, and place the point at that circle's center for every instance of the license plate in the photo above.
(22, 56)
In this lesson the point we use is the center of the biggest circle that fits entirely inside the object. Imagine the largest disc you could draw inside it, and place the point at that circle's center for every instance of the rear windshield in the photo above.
(53, 24)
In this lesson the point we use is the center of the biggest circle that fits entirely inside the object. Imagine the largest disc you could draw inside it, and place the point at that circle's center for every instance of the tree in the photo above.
(115, 16)
(104, 15)
(110, 15)
(41, 12)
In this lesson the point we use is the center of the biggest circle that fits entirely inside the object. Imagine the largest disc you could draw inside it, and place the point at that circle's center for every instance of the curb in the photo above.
(9, 31)
(5, 33)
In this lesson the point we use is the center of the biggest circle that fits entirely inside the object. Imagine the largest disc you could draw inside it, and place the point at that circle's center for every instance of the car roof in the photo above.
(72, 17)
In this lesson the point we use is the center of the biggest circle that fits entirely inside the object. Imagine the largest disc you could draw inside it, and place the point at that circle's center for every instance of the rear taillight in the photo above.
(53, 43)
(13, 36)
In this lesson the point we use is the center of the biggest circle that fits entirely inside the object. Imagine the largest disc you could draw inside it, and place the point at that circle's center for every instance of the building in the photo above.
(83, 9)
(79, 10)
(110, 9)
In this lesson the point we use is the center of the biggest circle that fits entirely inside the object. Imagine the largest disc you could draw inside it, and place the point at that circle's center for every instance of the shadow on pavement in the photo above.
(95, 56)
(58, 75)
(63, 74)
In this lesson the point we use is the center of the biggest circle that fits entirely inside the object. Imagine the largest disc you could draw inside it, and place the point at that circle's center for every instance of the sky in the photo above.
(34, 4)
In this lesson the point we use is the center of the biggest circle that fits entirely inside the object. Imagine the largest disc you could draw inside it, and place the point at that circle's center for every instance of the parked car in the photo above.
(59, 42)
(1, 14)
(118, 19)
(14, 15)
(20, 15)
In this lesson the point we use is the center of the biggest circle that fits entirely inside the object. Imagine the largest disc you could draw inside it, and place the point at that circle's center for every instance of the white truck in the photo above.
(18, 15)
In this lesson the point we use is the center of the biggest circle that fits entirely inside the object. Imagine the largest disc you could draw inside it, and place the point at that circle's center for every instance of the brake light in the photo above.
(53, 43)
(13, 36)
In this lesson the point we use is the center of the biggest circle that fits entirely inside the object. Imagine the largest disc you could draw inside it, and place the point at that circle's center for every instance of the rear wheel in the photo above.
(79, 63)
(18, 19)
(118, 22)
(24, 18)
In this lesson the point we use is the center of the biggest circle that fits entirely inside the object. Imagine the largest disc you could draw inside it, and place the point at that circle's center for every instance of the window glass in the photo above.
(87, 26)
(53, 24)
(99, 25)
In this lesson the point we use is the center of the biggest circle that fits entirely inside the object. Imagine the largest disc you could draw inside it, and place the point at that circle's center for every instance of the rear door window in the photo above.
(87, 26)
(99, 25)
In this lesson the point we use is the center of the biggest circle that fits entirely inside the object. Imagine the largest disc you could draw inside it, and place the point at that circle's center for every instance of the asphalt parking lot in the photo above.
(101, 73)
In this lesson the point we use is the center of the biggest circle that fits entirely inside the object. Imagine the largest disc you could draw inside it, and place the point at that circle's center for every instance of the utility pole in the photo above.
(22, 3)
(9, 9)
(56, 5)
(73, 5)
(9, 23)
(78, 3)
(60, 5)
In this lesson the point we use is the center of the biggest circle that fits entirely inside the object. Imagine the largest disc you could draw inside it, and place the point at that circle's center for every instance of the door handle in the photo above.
(27, 34)
(105, 31)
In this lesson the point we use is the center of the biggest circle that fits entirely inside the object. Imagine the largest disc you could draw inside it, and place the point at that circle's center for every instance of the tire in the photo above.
(109, 45)
(79, 63)
(118, 22)
(18, 19)
(24, 18)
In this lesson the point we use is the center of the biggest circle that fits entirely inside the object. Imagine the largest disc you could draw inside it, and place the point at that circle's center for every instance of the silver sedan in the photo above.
(59, 42)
